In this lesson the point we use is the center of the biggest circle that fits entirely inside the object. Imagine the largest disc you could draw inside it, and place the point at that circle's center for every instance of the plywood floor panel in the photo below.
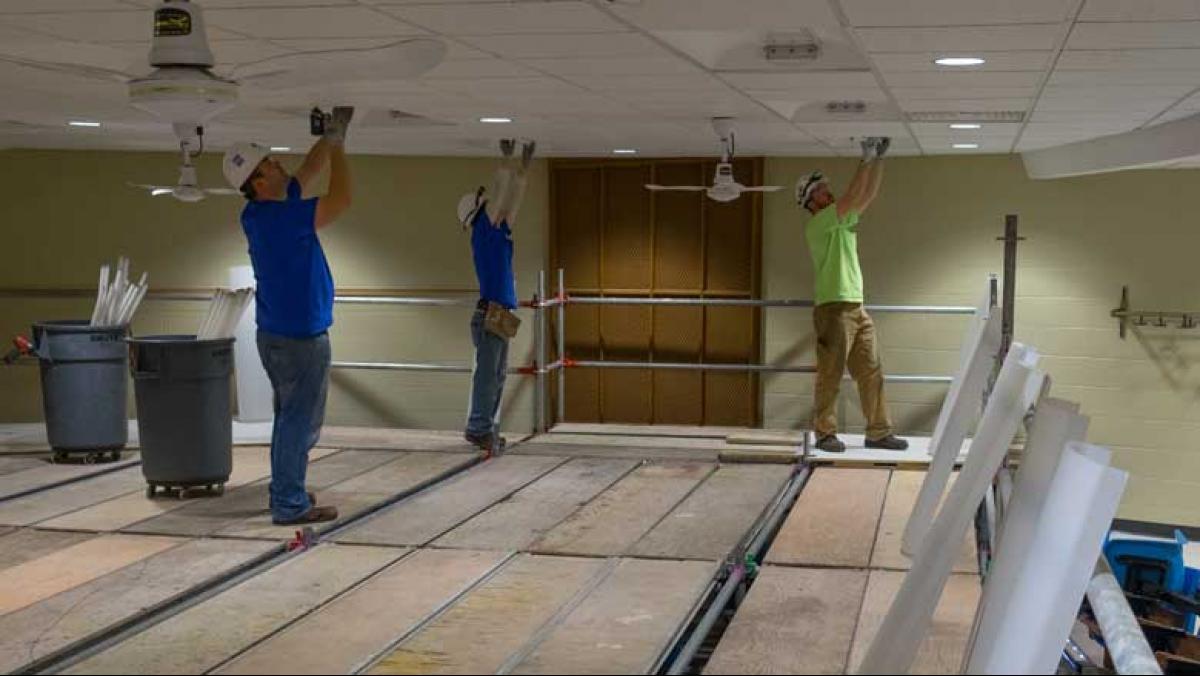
(834, 521)
(60, 621)
(897, 507)
(425, 516)
(358, 626)
(532, 511)
(493, 622)
(616, 519)
(626, 623)
(793, 621)
(203, 636)
(942, 650)
(715, 518)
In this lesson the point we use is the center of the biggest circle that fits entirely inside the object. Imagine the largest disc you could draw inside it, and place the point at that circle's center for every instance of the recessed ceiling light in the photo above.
(83, 123)
(960, 61)
(625, 151)
(966, 125)
(495, 120)
(280, 149)
(966, 146)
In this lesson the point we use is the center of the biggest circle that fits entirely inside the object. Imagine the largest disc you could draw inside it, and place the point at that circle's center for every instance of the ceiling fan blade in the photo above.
(157, 189)
(71, 58)
(686, 188)
(761, 188)
(221, 191)
(394, 61)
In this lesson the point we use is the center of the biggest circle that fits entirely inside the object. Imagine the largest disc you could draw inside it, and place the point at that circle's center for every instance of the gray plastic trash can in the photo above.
(84, 386)
(184, 410)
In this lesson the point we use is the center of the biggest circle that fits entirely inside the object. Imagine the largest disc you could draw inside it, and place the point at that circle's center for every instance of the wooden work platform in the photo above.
(830, 577)
(530, 563)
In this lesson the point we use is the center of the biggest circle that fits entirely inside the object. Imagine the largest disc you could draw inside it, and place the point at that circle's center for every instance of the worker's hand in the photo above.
(527, 151)
(881, 146)
(336, 124)
(868, 148)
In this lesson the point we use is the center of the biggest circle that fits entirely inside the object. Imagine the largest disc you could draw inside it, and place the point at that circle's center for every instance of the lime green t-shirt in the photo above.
(834, 247)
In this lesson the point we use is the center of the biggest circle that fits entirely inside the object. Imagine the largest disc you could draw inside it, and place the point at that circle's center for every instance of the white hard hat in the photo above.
(468, 206)
(806, 186)
(240, 161)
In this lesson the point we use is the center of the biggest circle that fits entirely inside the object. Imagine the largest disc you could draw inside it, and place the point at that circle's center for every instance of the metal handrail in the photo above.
(753, 302)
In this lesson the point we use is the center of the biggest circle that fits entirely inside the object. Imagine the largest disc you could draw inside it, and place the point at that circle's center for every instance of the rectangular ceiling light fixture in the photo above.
(795, 46)
(981, 116)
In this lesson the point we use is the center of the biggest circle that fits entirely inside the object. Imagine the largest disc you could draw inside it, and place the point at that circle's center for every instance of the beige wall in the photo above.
(931, 239)
(65, 213)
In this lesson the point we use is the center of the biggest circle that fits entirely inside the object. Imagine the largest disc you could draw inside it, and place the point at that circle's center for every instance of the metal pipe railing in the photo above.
(757, 368)
(763, 303)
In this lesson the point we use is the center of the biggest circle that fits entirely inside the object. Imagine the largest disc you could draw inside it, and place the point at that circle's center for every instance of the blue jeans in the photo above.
(299, 373)
(487, 381)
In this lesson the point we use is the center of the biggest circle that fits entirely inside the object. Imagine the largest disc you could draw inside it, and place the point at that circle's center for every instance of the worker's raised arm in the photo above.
(314, 163)
(333, 203)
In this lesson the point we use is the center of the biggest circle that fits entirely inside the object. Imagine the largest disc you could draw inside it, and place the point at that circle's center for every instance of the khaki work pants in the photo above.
(846, 339)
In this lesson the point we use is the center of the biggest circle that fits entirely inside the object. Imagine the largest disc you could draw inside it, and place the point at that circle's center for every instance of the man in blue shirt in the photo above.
(490, 216)
(294, 299)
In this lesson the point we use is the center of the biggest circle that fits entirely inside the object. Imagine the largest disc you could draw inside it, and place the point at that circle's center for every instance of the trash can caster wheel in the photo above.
(150, 492)
(92, 458)
(60, 457)
(220, 490)
(115, 456)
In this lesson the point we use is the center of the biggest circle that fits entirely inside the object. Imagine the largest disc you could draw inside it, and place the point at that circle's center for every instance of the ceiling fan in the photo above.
(186, 189)
(183, 89)
(725, 187)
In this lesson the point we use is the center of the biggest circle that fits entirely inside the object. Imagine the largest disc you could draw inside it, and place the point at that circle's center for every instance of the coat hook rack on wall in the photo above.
(1158, 318)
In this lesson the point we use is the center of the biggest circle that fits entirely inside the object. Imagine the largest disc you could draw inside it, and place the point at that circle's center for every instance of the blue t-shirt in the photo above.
(295, 287)
(493, 251)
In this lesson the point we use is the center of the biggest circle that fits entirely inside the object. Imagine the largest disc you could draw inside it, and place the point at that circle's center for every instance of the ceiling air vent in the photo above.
(798, 46)
(994, 116)
(846, 107)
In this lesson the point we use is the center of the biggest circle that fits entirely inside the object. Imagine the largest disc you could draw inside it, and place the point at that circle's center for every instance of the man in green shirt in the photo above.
(845, 332)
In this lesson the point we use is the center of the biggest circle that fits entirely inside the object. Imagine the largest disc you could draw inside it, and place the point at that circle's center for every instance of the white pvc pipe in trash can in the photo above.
(253, 387)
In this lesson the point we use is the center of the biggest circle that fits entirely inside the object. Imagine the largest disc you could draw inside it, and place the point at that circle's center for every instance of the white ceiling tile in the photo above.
(981, 105)
(97, 26)
(816, 84)
(455, 51)
(1141, 10)
(717, 15)
(509, 87)
(500, 19)
(310, 22)
(478, 69)
(1145, 35)
(1001, 130)
(649, 83)
(898, 62)
(953, 12)
(582, 45)
(904, 94)
(666, 65)
(945, 146)
(1101, 78)
(52, 6)
(959, 79)
(843, 131)
(968, 40)
(1129, 60)
(1097, 116)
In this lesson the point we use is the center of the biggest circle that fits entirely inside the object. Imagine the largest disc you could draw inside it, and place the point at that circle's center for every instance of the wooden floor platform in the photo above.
(529, 563)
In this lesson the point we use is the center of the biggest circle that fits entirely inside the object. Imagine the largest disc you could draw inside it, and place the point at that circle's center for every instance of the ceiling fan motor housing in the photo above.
(179, 36)
(182, 90)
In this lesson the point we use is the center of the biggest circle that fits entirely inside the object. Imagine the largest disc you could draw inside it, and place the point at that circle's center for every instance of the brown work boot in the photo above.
(831, 444)
(314, 514)
(889, 443)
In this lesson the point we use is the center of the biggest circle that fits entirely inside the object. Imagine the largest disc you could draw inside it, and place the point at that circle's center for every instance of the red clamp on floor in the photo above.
(305, 539)
(568, 363)
(21, 348)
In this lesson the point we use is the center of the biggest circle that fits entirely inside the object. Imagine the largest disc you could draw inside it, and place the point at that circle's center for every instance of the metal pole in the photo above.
(1126, 642)
(539, 414)
(1008, 325)
(562, 347)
